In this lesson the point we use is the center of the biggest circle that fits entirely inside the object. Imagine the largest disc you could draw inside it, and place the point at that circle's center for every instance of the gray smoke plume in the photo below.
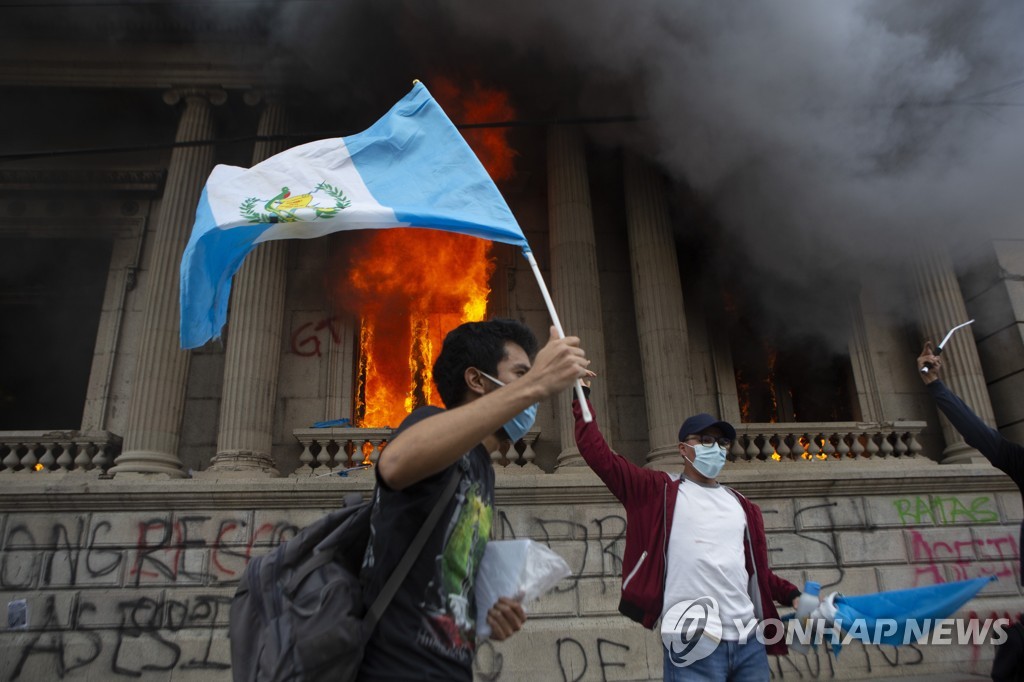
(828, 139)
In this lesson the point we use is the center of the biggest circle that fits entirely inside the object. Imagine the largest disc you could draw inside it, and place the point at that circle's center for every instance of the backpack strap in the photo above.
(387, 593)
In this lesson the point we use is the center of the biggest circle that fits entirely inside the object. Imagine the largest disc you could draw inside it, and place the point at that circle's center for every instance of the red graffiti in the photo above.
(306, 338)
(965, 558)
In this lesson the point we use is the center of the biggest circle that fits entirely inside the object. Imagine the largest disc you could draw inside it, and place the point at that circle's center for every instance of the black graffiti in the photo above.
(908, 655)
(505, 529)
(611, 560)
(567, 667)
(150, 622)
(611, 530)
(71, 543)
(573, 662)
(601, 643)
(813, 663)
(53, 640)
(820, 661)
(488, 661)
(12, 557)
(830, 546)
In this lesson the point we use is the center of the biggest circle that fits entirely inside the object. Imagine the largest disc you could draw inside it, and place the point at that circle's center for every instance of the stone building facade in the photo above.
(140, 478)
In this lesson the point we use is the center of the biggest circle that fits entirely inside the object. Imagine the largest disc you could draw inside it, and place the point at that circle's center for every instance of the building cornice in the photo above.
(84, 492)
(56, 181)
(136, 66)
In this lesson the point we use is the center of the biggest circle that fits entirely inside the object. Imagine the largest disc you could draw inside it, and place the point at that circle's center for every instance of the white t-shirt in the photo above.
(706, 556)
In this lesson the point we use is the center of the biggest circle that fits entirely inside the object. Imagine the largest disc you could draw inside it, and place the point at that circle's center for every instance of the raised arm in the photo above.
(432, 445)
(1003, 454)
(623, 478)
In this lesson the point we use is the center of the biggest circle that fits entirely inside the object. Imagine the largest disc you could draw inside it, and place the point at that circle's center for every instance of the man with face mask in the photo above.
(689, 537)
(490, 377)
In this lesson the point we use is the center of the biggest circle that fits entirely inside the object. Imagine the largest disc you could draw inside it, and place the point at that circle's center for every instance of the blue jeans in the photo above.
(730, 662)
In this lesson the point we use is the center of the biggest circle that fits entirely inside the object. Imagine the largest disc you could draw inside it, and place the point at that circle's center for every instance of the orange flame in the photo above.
(411, 286)
(480, 104)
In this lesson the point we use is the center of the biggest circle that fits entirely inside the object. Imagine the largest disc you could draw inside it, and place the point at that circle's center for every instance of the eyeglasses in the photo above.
(707, 439)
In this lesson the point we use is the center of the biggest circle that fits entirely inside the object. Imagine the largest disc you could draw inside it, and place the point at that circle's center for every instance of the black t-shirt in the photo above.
(429, 629)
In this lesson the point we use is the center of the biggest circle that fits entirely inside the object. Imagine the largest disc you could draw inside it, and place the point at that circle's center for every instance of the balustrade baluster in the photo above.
(12, 460)
(64, 460)
(813, 448)
(783, 449)
(752, 450)
(858, 446)
(528, 456)
(871, 447)
(376, 449)
(885, 449)
(842, 447)
(343, 457)
(82, 459)
(899, 445)
(29, 461)
(913, 446)
(323, 458)
(830, 449)
(100, 460)
(305, 469)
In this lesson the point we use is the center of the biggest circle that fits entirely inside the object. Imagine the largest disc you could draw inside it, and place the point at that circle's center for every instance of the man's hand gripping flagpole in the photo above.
(587, 417)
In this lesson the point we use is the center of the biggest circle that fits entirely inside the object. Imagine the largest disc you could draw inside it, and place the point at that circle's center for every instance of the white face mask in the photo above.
(517, 427)
(708, 459)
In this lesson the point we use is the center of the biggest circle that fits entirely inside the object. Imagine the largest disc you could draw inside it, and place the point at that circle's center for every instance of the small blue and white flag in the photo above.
(412, 168)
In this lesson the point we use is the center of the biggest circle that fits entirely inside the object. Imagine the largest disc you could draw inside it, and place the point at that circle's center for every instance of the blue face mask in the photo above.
(708, 459)
(517, 427)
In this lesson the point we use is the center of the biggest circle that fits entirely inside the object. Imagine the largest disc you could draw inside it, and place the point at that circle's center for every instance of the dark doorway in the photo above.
(51, 294)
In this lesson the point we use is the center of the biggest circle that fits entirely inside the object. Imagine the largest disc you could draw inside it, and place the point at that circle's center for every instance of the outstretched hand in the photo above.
(559, 364)
(927, 359)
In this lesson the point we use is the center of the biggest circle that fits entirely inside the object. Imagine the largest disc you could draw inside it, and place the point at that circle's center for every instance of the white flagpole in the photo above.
(587, 417)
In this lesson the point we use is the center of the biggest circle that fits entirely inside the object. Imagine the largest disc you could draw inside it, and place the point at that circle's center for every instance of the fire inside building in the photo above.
(139, 479)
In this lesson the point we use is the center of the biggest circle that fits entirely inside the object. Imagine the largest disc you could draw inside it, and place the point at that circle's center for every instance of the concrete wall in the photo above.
(134, 580)
(994, 293)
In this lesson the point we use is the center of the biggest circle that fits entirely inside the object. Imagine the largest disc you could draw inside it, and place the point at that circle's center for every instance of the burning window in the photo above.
(786, 374)
(409, 287)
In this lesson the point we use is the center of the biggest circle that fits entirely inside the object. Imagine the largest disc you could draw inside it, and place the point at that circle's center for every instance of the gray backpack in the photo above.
(297, 615)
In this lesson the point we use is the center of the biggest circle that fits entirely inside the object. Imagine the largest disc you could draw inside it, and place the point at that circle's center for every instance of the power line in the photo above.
(88, 151)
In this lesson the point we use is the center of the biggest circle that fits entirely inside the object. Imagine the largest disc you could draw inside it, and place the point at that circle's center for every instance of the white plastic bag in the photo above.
(515, 568)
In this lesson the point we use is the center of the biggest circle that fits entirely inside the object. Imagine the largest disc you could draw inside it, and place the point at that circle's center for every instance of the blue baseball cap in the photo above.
(699, 423)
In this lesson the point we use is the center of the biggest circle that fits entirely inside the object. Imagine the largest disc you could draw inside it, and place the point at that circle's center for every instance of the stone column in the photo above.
(660, 317)
(942, 307)
(255, 328)
(161, 367)
(575, 284)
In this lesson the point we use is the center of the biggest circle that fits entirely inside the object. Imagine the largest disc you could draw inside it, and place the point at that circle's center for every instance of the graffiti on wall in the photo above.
(127, 596)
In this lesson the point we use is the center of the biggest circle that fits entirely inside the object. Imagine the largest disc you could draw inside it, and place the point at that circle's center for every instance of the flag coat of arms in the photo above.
(412, 168)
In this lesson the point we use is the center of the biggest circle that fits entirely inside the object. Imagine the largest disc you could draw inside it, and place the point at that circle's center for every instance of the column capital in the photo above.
(257, 96)
(214, 96)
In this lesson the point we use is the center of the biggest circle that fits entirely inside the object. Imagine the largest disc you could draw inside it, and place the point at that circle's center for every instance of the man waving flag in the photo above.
(412, 168)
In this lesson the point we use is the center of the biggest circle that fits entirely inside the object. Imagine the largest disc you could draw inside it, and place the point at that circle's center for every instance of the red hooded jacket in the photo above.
(649, 497)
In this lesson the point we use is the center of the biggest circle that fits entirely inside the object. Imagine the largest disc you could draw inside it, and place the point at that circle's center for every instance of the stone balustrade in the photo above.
(826, 442)
(336, 449)
(46, 452)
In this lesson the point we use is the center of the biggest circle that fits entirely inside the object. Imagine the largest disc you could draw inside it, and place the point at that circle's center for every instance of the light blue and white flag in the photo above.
(898, 616)
(412, 168)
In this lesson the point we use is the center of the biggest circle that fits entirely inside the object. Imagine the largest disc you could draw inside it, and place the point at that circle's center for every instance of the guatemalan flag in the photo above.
(412, 168)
